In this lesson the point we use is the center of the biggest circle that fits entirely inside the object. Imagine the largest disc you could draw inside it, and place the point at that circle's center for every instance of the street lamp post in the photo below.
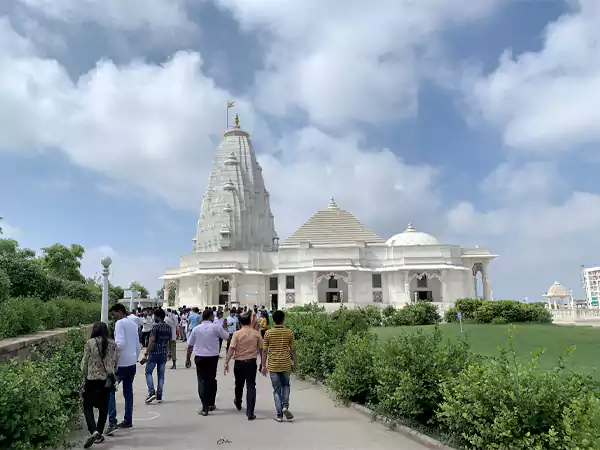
(106, 262)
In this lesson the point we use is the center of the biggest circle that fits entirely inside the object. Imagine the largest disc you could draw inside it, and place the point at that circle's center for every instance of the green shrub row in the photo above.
(498, 311)
(24, 315)
(38, 399)
(470, 401)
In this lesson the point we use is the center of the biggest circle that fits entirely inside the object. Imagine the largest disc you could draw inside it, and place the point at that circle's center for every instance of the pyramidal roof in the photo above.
(333, 226)
(236, 211)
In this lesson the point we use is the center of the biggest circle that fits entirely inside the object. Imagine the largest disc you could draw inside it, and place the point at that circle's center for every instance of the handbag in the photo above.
(111, 380)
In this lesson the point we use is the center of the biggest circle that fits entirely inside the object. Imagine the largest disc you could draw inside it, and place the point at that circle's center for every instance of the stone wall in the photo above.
(24, 347)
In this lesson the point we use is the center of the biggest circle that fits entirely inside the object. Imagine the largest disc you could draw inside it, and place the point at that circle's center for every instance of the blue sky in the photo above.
(404, 111)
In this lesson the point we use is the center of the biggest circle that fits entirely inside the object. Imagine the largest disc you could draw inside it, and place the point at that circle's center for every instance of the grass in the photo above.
(554, 339)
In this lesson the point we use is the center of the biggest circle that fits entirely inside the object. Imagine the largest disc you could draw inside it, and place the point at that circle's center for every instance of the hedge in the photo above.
(498, 311)
(24, 315)
(467, 400)
(38, 399)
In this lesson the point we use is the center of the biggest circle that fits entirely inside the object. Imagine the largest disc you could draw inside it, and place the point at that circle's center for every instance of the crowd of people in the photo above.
(108, 364)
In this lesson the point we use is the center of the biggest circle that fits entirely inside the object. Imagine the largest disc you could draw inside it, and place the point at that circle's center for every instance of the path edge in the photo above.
(391, 424)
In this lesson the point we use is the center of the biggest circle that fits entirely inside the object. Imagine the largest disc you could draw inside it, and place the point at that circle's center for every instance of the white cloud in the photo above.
(127, 15)
(548, 100)
(9, 231)
(347, 62)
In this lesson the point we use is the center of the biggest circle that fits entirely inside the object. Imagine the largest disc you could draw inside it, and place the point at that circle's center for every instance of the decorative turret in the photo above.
(236, 211)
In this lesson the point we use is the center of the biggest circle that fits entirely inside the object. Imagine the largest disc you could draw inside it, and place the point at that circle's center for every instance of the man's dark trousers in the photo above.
(244, 372)
(206, 372)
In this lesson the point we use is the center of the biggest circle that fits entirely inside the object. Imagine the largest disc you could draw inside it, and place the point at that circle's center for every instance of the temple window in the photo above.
(273, 283)
(422, 282)
(333, 284)
(290, 282)
(376, 281)
(224, 286)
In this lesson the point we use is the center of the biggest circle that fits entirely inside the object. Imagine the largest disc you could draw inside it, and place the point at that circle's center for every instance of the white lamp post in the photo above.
(106, 262)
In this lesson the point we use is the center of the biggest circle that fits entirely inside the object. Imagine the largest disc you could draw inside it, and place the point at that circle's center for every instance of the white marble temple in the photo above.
(332, 258)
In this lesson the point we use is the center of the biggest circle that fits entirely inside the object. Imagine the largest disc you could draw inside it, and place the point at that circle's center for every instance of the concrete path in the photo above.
(175, 424)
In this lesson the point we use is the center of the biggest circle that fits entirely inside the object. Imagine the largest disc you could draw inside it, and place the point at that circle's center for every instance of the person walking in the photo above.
(245, 345)
(98, 370)
(172, 320)
(279, 350)
(232, 325)
(203, 342)
(148, 321)
(184, 325)
(264, 323)
(157, 354)
(128, 352)
(219, 321)
(194, 319)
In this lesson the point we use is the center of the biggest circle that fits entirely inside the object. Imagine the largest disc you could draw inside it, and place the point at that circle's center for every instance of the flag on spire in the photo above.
(230, 105)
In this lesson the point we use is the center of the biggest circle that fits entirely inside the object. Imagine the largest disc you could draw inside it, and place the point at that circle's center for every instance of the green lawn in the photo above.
(485, 340)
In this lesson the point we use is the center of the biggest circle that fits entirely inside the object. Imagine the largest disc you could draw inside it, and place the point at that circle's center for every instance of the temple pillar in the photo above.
(444, 285)
(233, 285)
(350, 283)
(407, 288)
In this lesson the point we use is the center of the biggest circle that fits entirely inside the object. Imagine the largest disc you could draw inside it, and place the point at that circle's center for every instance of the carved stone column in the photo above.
(350, 283)
(315, 290)
(444, 285)
(407, 288)
(233, 285)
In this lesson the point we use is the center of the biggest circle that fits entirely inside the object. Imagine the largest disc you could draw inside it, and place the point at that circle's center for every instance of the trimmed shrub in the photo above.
(25, 315)
(353, 378)
(466, 306)
(419, 313)
(38, 399)
(512, 312)
(501, 403)
(410, 370)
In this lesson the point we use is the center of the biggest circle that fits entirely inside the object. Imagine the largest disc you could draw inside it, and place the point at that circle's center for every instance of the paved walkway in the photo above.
(175, 424)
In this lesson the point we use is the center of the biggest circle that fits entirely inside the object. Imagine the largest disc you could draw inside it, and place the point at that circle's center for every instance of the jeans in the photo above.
(160, 363)
(244, 372)
(206, 372)
(125, 375)
(95, 395)
(281, 390)
(173, 349)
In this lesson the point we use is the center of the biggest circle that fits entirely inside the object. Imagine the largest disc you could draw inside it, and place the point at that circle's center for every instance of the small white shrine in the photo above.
(333, 258)
(558, 292)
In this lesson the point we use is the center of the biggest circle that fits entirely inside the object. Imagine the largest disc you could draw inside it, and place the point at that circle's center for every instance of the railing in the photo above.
(579, 314)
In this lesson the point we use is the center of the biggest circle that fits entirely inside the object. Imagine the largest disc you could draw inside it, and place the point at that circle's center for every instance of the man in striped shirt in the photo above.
(279, 351)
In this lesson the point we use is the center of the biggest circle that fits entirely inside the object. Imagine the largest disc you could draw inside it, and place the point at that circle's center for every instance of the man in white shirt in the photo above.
(148, 322)
(203, 342)
(172, 321)
(128, 351)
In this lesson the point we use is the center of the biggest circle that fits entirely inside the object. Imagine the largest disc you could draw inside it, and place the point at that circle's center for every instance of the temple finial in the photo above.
(332, 203)
(237, 120)
(410, 227)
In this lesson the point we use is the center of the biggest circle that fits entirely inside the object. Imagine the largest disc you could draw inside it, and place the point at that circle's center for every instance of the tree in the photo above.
(63, 262)
(141, 289)
(115, 293)
(160, 293)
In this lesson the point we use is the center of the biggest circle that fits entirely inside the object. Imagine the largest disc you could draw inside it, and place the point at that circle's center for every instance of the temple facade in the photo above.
(333, 258)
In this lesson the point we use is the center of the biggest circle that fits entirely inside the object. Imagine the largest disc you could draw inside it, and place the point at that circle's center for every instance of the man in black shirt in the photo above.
(157, 354)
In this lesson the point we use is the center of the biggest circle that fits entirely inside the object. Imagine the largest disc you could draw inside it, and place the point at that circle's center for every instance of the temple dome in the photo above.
(411, 237)
(557, 290)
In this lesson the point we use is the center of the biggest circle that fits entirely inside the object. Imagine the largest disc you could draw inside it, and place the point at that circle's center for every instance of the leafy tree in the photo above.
(4, 286)
(160, 293)
(115, 293)
(63, 262)
(136, 286)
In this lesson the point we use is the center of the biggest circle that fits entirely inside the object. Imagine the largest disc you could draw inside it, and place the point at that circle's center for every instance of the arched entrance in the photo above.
(332, 288)
(425, 286)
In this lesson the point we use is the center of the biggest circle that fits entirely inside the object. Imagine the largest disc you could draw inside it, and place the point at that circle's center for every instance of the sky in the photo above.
(478, 122)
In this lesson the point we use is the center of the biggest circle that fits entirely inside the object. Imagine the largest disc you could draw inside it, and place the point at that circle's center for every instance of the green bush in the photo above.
(4, 286)
(466, 306)
(37, 399)
(512, 312)
(501, 403)
(29, 314)
(410, 370)
(311, 307)
(419, 313)
(353, 378)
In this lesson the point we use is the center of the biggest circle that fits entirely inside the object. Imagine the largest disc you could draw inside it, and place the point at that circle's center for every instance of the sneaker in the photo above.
(252, 417)
(278, 419)
(203, 413)
(99, 440)
(151, 397)
(212, 408)
(238, 405)
(125, 425)
(112, 427)
(288, 414)
(91, 440)
(159, 399)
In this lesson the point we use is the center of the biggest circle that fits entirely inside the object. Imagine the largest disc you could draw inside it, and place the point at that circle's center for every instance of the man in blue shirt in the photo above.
(194, 318)
(157, 354)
